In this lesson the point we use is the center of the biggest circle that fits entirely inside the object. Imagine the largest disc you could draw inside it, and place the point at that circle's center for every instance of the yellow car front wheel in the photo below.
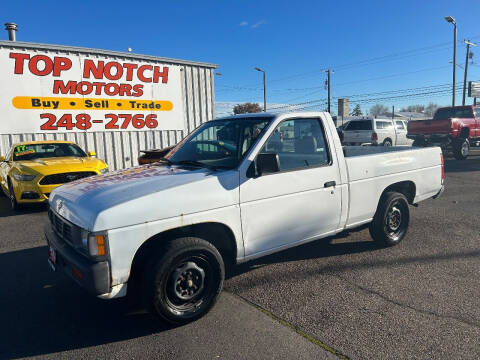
(13, 200)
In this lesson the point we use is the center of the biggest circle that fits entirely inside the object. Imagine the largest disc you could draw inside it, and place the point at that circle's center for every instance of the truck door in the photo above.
(401, 132)
(300, 201)
(477, 122)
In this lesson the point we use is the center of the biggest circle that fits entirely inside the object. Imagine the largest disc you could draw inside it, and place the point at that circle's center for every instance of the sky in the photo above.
(395, 53)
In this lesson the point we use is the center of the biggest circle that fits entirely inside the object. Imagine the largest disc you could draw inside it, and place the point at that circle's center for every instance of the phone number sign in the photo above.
(51, 92)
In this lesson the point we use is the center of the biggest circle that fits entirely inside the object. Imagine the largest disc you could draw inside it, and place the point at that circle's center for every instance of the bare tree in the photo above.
(378, 109)
(246, 108)
(414, 108)
(431, 108)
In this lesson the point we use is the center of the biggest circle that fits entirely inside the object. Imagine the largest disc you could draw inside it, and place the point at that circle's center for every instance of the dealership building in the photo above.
(113, 103)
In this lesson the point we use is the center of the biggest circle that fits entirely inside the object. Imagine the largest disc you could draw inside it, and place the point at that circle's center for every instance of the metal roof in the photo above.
(76, 49)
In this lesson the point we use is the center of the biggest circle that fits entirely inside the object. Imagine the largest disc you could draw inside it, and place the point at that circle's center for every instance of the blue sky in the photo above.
(294, 41)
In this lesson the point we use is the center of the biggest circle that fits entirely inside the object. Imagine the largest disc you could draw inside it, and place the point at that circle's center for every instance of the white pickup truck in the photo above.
(235, 189)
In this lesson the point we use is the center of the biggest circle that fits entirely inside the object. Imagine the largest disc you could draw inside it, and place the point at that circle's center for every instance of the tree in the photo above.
(378, 109)
(357, 111)
(246, 108)
(414, 108)
(431, 108)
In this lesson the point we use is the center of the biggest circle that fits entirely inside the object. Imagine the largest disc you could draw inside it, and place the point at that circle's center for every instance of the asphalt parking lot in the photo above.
(419, 300)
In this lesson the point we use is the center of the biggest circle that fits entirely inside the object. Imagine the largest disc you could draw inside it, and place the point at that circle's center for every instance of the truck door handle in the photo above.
(329, 184)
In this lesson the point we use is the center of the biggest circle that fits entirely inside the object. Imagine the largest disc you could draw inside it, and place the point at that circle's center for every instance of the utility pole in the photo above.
(393, 112)
(452, 20)
(328, 88)
(468, 42)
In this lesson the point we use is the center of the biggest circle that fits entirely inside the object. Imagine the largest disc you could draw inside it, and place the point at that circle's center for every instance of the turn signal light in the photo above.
(100, 245)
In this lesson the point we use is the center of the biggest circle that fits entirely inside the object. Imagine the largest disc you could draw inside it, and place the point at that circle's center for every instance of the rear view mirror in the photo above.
(92, 153)
(267, 163)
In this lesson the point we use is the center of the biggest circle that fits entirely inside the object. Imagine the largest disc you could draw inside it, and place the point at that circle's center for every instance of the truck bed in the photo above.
(352, 151)
(372, 169)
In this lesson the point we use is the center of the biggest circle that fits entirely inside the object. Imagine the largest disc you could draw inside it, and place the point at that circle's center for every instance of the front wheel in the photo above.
(14, 205)
(461, 149)
(184, 282)
(390, 223)
(387, 142)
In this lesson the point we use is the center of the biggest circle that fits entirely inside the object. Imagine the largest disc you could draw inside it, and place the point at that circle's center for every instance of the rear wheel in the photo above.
(461, 149)
(390, 223)
(184, 282)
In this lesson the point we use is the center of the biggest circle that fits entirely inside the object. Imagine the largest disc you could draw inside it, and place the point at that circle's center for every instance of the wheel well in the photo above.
(388, 140)
(406, 188)
(464, 133)
(220, 235)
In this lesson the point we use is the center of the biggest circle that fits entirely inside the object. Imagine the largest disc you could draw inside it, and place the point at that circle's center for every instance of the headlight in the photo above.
(95, 244)
(23, 177)
(104, 171)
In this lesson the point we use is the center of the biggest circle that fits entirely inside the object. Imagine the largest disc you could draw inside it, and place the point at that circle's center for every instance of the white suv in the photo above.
(386, 132)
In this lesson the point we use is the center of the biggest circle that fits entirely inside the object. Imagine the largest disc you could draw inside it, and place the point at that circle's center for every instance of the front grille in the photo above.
(64, 229)
(65, 177)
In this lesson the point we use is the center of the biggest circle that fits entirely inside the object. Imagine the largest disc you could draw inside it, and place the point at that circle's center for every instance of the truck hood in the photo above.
(64, 164)
(143, 194)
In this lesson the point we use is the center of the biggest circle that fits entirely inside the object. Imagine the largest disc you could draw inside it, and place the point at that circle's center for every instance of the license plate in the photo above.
(52, 257)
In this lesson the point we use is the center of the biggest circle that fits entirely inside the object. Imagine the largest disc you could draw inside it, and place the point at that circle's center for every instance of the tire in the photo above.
(387, 142)
(461, 149)
(14, 205)
(184, 282)
(390, 223)
(418, 143)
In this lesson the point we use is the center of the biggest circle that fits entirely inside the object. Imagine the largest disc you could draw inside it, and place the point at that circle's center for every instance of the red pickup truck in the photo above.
(454, 128)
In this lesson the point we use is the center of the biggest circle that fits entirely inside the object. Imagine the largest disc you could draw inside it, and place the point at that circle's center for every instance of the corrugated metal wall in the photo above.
(120, 149)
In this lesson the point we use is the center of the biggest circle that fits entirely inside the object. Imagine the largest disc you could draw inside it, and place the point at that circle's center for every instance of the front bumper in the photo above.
(92, 276)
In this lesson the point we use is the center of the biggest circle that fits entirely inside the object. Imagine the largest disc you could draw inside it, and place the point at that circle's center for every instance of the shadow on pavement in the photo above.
(313, 250)
(472, 163)
(43, 312)
(6, 210)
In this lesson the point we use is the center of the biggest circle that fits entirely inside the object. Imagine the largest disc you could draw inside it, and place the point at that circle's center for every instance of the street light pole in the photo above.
(466, 69)
(264, 89)
(452, 20)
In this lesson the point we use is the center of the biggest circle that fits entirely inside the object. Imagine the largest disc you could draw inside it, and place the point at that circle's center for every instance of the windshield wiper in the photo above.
(164, 160)
(192, 163)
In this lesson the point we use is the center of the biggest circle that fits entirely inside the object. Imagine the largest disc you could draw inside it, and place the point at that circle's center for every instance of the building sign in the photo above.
(55, 92)
(474, 89)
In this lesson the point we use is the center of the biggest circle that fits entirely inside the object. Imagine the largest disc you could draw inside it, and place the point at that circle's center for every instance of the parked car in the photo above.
(154, 155)
(31, 170)
(386, 132)
(232, 191)
(452, 128)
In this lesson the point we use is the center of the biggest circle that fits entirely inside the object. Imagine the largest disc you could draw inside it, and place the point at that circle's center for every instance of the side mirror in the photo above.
(2, 158)
(92, 153)
(266, 163)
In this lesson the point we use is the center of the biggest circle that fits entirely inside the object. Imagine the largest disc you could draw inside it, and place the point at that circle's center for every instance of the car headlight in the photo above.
(104, 170)
(24, 177)
(95, 244)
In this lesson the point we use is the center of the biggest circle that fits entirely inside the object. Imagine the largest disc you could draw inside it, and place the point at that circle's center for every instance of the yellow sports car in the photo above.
(31, 170)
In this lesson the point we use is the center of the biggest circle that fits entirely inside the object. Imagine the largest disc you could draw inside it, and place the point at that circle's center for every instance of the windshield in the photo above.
(38, 151)
(459, 112)
(219, 143)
